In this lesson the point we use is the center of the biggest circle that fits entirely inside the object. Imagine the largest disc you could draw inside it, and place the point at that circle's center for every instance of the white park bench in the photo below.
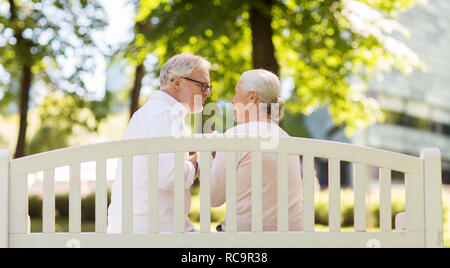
(422, 187)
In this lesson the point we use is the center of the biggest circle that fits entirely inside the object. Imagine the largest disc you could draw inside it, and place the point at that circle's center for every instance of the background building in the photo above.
(417, 106)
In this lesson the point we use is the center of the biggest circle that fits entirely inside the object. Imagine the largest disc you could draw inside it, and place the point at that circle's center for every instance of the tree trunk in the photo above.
(139, 75)
(24, 99)
(263, 48)
(262, 33)
(24, 90)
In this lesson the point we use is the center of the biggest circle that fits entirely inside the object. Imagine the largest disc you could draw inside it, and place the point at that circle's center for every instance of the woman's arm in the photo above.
(218, 179)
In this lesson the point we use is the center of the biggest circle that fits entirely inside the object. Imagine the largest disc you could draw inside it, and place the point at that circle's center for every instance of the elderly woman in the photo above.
(256, 92)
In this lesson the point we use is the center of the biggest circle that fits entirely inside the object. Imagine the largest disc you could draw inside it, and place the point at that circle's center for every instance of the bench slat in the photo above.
(290, 145)
(360, 182)
(127, 194)
(231, 218)
(257, 213)
(48, 221)
(153, 205)
(334, 182)
(225, 240)
(283, 196)
(101, 197)
(385, 200)
(205, 192)
(75, 200)
(179, 213)
(308, 199)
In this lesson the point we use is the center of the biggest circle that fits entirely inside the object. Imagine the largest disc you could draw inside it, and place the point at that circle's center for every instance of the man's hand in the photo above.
(193, 160)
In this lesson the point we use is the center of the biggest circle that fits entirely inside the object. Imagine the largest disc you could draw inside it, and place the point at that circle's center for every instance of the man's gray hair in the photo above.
(181, 65)
(268, 87)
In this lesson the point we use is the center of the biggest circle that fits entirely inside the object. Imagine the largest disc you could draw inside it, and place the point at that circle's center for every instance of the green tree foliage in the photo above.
(44, 33)
(330, 48)
(61, 114)
(46, 42)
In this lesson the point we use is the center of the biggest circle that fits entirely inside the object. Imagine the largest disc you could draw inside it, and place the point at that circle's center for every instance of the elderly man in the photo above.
(185, 85)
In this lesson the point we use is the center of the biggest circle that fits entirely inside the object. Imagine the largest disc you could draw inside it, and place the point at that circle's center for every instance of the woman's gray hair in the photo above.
(181, 65)
(268, 87)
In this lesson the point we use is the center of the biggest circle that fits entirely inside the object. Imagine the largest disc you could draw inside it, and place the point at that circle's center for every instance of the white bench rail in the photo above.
(422, 180)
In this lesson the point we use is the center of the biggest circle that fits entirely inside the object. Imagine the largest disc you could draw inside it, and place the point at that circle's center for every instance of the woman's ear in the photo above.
(253, 96)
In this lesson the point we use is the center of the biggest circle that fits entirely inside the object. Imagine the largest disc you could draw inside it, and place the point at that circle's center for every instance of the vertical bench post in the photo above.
(257, 209)
(308, 193)
(231, 218)
(283, 190)
(101, 197)
(205, 192)
(385, 177)
(127, 194)
(433, 197)
(153, 202)
(179, 194)
(360, 181)
(48, 202)
(4, 198)
(334, 185)
(75, 199)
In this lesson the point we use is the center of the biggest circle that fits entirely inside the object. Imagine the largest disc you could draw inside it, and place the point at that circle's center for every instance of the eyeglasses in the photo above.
(205, 87)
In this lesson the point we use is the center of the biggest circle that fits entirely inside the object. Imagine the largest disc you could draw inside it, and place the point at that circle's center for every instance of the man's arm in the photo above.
(162, 126)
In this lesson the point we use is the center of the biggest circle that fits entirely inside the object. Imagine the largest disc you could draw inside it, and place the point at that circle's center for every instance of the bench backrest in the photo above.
(422, 188)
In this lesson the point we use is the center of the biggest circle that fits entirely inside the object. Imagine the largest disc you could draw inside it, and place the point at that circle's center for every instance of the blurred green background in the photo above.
(362, 72)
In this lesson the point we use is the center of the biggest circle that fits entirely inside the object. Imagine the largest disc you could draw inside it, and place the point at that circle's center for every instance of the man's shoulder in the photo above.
(154, 106)
(151, 110)
(153, 119)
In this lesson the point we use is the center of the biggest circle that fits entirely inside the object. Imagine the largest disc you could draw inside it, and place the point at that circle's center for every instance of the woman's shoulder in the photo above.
(242, 128)
(257, 128)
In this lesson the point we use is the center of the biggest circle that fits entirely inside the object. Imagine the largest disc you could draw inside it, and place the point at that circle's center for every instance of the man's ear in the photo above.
(176, 82)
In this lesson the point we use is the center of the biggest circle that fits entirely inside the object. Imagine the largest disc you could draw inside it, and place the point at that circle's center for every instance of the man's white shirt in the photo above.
(161, 116)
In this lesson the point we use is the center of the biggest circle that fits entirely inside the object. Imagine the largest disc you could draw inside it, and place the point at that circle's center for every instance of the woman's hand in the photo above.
(193, 160)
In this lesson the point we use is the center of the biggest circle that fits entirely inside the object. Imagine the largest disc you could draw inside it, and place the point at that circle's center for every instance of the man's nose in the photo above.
(207, 93)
